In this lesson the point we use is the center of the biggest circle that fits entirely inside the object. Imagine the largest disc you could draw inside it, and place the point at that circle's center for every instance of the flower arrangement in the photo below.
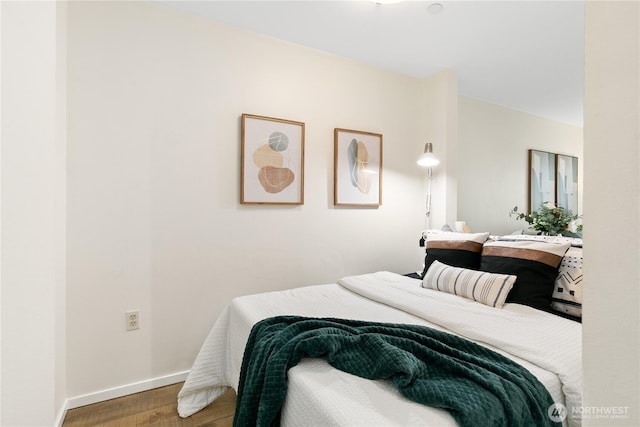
(550, 219)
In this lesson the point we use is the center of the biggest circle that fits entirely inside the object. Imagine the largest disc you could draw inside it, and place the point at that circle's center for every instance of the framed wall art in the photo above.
(542, 184)
(567, 182)
(357, 168)
(272, 156)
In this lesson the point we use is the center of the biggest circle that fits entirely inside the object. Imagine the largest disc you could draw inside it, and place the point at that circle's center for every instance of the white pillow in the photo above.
(573, 241)
(487, 288)
(435, 235)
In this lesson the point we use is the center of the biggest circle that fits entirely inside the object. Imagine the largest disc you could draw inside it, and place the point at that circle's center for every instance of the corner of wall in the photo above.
(33, 215)
(440, 126)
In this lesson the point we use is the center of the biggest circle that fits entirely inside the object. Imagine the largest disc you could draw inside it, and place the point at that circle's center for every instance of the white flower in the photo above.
(549, 205)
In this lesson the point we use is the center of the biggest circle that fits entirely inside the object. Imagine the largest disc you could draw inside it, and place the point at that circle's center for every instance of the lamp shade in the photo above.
(427, 159)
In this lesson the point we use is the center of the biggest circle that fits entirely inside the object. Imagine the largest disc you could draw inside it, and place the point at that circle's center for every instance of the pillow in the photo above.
(576, 242)
(488, 288)
(534, 263)
(455, 249)
(567, 293)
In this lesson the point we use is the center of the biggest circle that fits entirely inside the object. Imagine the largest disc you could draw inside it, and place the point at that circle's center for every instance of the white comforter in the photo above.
(547, 345)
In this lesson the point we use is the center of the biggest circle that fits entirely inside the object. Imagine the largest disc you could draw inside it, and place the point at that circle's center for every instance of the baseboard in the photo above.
(61, 414)
(112, 393)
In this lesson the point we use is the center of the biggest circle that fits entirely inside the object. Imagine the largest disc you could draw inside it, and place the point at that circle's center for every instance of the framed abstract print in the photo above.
(357, 168)
(567, 182)
(272, 156)
(542, 184)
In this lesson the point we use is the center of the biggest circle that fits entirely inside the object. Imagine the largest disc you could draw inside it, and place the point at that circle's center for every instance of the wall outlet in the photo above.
(132, 319)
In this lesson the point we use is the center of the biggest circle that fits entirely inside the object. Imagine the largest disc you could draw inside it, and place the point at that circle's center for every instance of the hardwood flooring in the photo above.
(152, 408)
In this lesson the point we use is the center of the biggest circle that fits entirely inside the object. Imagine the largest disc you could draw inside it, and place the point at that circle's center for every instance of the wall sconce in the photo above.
(428, 160)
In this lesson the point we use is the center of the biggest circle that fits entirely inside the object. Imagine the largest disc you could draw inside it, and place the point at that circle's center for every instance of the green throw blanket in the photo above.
(478, 386)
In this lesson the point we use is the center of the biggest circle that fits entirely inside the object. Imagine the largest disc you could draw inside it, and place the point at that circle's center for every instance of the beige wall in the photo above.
(439, 119)
(492, 159)
(150, 226)
(612, 211)
(154, 220)
(32, 222)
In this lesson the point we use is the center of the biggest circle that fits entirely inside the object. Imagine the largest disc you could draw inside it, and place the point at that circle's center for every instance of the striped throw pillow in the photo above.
(487, 288)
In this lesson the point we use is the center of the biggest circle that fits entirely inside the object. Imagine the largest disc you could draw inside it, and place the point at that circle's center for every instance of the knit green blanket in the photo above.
(478, 386)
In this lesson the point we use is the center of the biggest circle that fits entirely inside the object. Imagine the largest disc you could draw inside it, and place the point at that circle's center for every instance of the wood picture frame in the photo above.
(272, 161)
(567, 182)
(357, 168)
(542, 173)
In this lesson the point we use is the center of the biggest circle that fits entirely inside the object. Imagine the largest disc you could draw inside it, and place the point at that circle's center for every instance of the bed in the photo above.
(547, 345)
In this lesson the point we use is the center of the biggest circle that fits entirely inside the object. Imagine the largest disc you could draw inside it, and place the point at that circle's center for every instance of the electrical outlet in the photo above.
(132, 319)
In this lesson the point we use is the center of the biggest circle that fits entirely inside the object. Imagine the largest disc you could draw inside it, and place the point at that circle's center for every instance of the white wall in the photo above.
(60, 209)
(154, 220)
(439, 119)
(33, 212)
(612, 211)
(493, 163)
(140, 226)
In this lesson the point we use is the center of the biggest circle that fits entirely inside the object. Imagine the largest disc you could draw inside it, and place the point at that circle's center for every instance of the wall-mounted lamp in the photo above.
(428, 160)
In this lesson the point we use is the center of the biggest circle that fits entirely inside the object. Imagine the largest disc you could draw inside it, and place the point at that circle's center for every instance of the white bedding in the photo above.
(547, 345)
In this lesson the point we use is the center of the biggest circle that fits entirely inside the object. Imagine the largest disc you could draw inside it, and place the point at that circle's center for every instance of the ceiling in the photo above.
(526, 55)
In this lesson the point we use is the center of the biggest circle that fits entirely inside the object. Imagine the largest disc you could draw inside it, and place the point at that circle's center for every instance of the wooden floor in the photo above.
(151, 408)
